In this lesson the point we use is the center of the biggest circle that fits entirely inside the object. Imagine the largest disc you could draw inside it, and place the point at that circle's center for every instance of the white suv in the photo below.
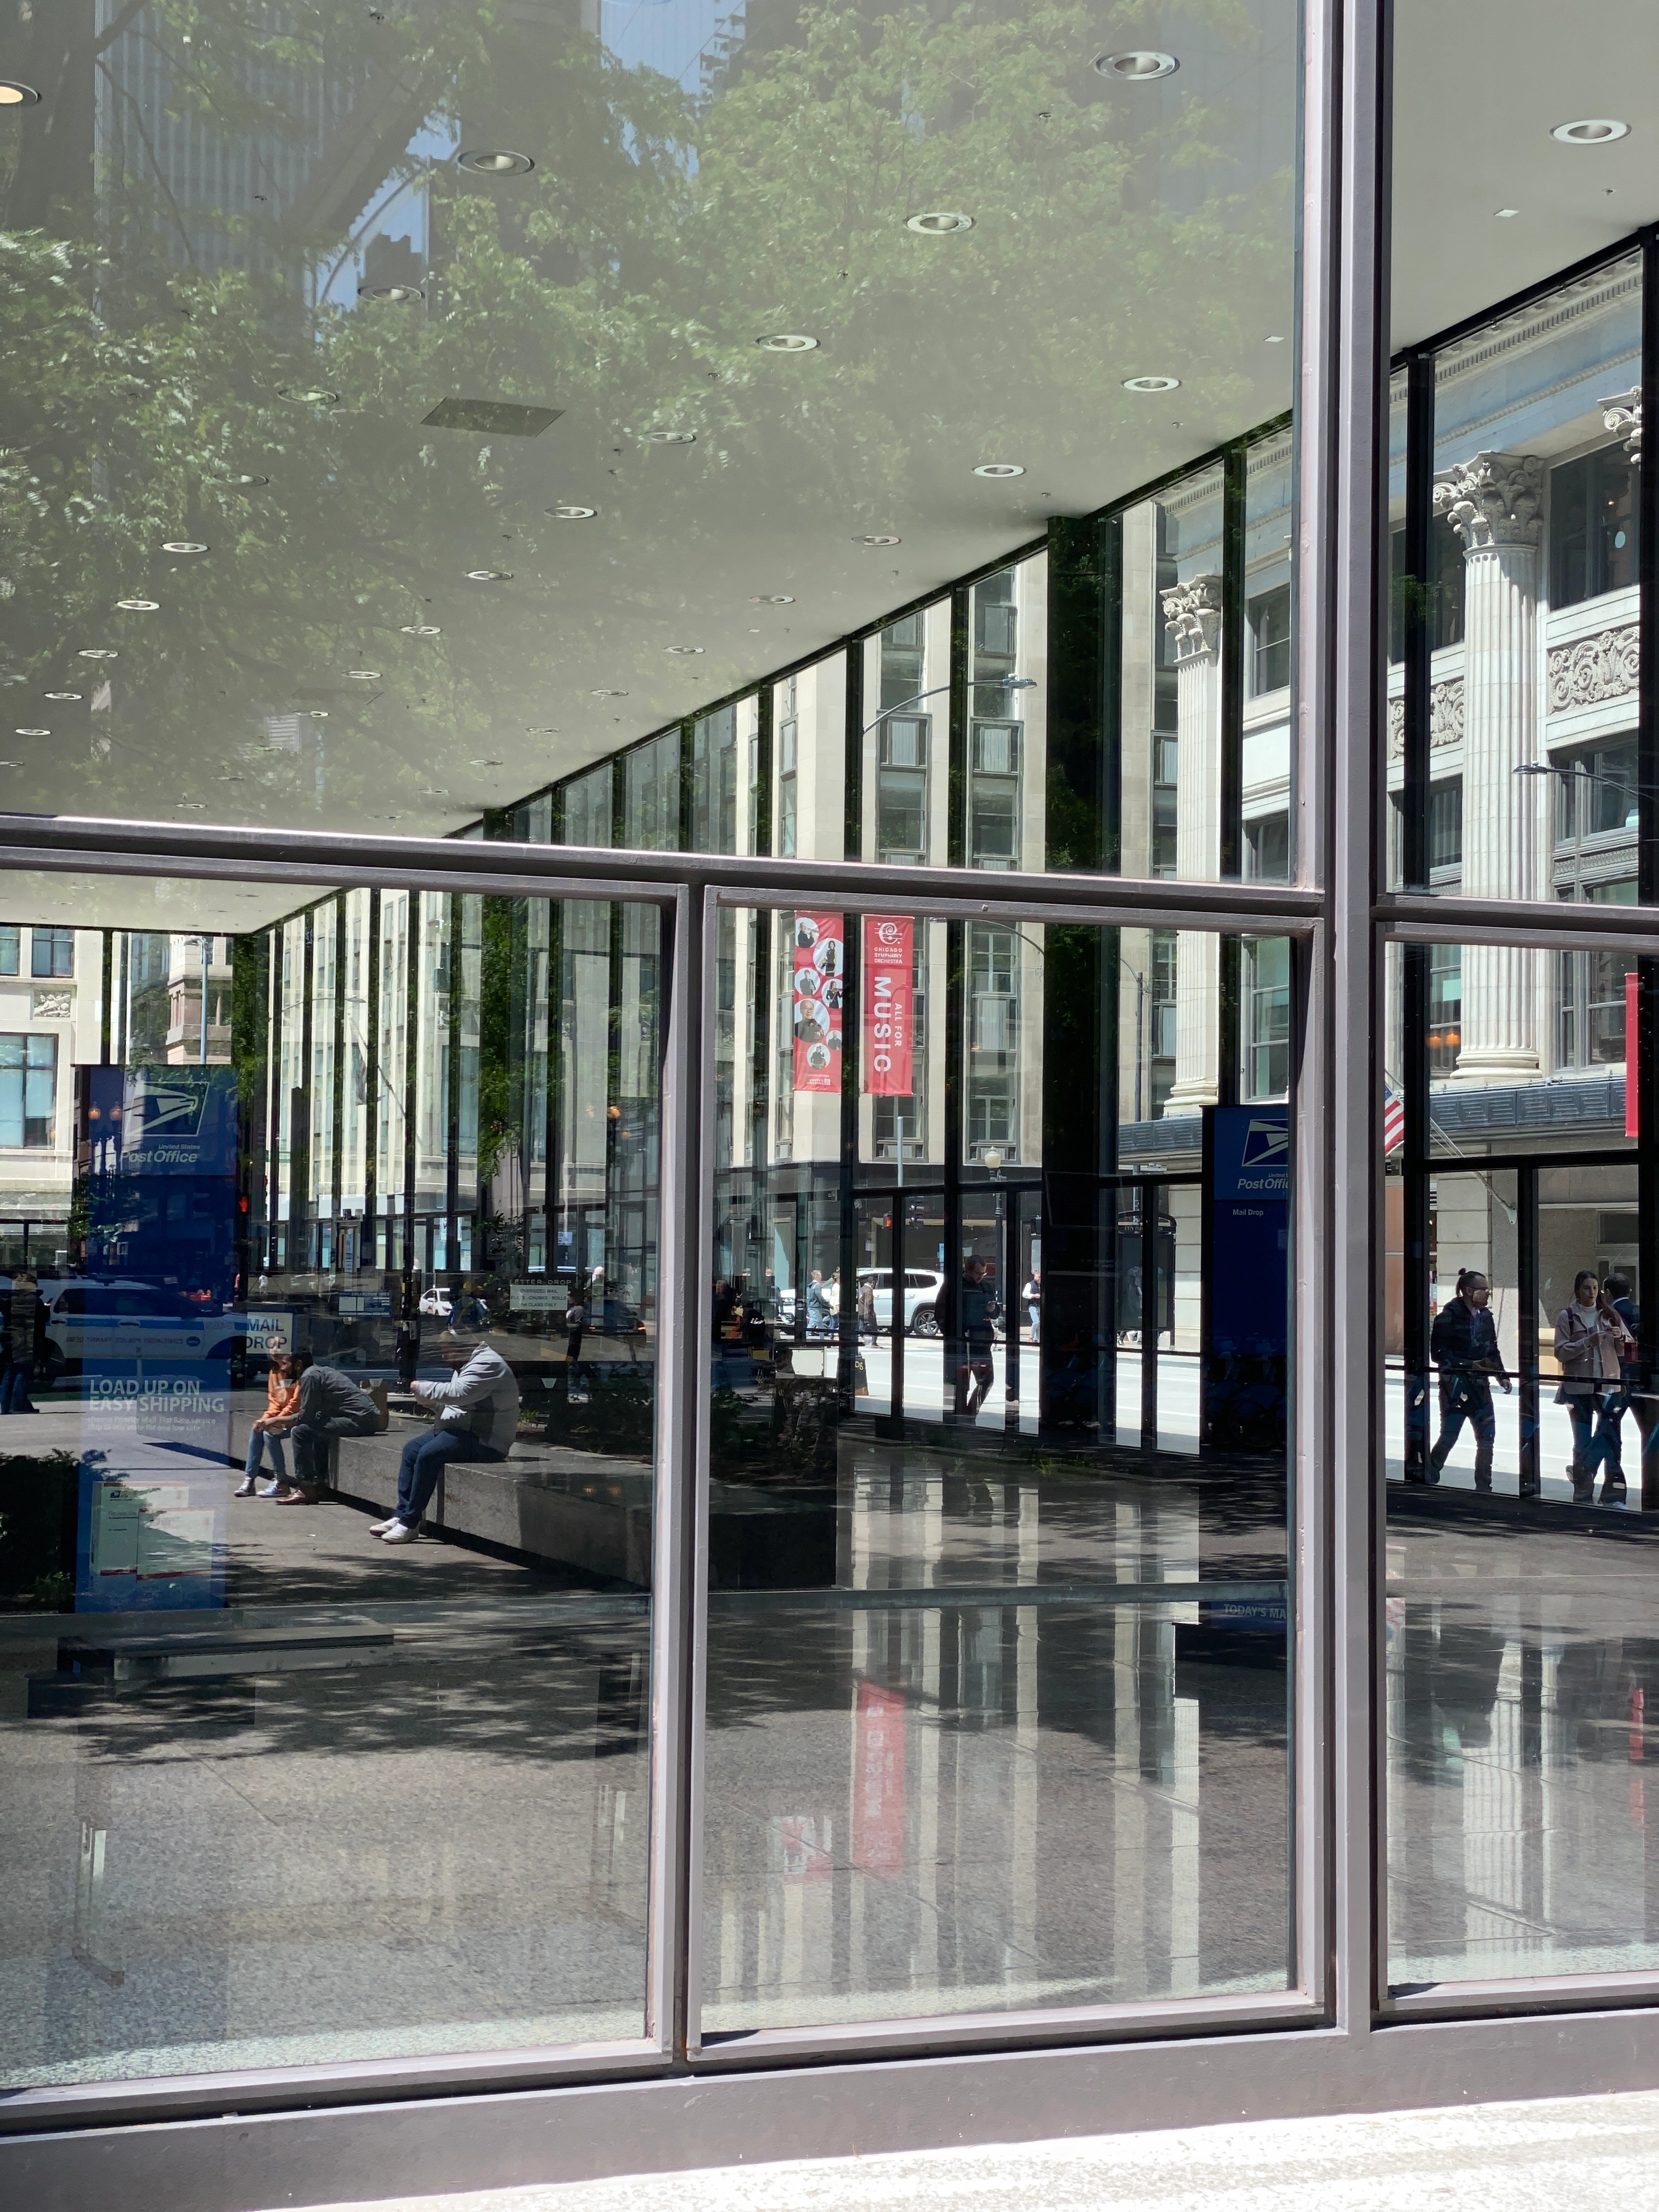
(921, 1290)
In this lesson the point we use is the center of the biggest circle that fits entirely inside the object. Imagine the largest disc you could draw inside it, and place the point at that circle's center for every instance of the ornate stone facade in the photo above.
(1446, 718)
(1624, 412)
(1592, 669)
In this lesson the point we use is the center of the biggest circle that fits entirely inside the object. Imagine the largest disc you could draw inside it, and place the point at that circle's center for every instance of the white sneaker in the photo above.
(270, 1488)
(380, 1528)
(400, 1533)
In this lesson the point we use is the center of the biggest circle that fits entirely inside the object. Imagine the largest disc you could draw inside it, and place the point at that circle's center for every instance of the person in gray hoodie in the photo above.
(477, 1419)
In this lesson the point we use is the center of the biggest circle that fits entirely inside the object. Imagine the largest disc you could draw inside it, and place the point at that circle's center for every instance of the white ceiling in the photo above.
(167, 304)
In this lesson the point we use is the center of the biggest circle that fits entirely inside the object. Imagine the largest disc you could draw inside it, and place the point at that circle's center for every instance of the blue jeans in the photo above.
(259, 1442)
(425, 1459)
(15, 1379)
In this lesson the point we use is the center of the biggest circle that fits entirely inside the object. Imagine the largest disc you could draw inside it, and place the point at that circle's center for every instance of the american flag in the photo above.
(1393, 1120)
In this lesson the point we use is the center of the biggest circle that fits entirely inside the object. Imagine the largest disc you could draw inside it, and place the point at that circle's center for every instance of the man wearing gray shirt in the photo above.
(330, 1405)
(477, 1419)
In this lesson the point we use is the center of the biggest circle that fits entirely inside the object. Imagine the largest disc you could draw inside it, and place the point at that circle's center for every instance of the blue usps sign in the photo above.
(1247, 1189)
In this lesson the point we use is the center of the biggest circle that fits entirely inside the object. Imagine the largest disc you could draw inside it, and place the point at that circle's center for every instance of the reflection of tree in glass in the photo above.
(624, 281)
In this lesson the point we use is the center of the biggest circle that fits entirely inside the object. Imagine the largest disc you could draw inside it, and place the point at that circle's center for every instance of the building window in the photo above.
(1592, 512)
(1267, 849)
(788, 744)
(52, 952)
(1441, 598)
(1591, 1027)
(1166, 761)
(10, 943)
(1445, 1006)
(902, 788)
(1161, 1021)
(1267, 1050)
(28, 1090)
(1270, 640)
(1446, 825)
(994, 805)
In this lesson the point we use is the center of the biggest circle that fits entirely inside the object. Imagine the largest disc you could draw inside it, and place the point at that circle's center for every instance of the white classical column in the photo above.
(1495, 504)
(1192, 613)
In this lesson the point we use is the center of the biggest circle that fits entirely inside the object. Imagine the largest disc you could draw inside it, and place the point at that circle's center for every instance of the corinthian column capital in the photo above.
(1192, 614)
(1494, 502)
(1624, 412)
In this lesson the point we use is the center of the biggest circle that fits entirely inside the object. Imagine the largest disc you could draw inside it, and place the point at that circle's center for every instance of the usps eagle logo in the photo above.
(1267, 1145)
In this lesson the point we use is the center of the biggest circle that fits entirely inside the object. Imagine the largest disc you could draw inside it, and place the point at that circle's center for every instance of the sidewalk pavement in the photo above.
(1566, 2155)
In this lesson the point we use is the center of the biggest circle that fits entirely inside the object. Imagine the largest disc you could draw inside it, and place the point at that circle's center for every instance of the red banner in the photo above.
(879, 1838)
(887, 987)
(820, 957)
(1632, 1058)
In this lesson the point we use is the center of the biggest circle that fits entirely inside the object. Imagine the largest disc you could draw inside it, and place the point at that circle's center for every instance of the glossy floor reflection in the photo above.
(927, 1796)
(1523, 1676)
(381, 1802)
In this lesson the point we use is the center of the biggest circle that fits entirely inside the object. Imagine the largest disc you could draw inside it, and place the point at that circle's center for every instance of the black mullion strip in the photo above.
(613, 1192)
(853, 832)
(1415, 1260)
(847, 1313)
(107, 985)
(960, 650)
(301, 1116)
(1526, 1217)
(276, 938)
(553, 1087)
(414, 940)
(764, 770)
(1106, 1205)
(956, 990)
(760, 1067)
(337, 1133)
(452, 1103)
(619, 795)
(896, 1331)
(1229, 996)
(688, 829)
(372, 1079)
(1231, 842)
(1150, 1195)
(1417, 642)
(1111, 713)
(556, 814)
(1647, 801)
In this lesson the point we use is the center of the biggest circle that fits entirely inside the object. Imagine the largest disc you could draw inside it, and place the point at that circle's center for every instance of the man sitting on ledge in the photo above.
(478, 1418)
(330, 1406)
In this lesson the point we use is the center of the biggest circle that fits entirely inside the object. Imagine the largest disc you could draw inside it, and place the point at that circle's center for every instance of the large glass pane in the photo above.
(1528, 613)
(272, 1183)
(1521, 1486)
(997, 1605)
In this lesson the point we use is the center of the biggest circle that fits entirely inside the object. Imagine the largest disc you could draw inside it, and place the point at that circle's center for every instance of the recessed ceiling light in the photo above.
(540, 729)
(943, 223)
(232, 779)
(99, 653)
(880, 537)
(483, 763)
(788, 342)
(62, 695)
(138, 606)
(601, 693)
(1139, 67)
(31, 733)
(1151, 384)
(421, 630)
(245, 480)
(432, 790)
(1504, 213)
(191, 806)
(1592, 130)
(318, 713)
(11, 764)
(398, 294)
(773, 599)
(682, 648)
(183, 545)
(494, 161)
(364, 675)
(572, 514)
(489, 576)
(1274, 338)
(308, 395)
(13, 95)
(999, 469)
(671, 437)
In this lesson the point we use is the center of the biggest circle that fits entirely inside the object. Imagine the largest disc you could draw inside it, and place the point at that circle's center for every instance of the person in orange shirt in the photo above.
(281, 1397)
